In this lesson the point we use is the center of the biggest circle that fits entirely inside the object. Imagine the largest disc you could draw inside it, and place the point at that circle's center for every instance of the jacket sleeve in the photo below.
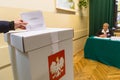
(98, 33)
(111, 32)
(5, 26)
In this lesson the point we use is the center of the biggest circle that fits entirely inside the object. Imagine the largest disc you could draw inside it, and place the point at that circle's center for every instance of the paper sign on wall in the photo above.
(34, 19)
(56, 64)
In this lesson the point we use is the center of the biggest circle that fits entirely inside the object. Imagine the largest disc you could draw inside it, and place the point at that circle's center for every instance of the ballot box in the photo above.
(41, 55)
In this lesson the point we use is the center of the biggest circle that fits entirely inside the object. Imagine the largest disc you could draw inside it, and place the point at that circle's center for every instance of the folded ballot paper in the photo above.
(34, 19)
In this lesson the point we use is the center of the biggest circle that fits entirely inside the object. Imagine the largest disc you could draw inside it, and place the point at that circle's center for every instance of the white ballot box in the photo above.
(42, 55)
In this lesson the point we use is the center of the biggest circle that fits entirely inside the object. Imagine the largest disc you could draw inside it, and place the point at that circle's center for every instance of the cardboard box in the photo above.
(43, 55)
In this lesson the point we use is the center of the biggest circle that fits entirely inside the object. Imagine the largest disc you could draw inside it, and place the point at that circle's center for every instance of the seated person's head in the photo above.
(105, 26)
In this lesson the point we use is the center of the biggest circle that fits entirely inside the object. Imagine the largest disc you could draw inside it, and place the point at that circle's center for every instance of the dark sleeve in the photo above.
(5, 26)
(98, 33)
(111, 32)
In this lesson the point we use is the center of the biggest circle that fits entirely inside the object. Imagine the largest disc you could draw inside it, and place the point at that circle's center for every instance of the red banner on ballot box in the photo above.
(56, 64)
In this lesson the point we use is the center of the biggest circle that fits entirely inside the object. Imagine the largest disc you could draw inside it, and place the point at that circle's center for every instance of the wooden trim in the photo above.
(7, 65)
(80, 37)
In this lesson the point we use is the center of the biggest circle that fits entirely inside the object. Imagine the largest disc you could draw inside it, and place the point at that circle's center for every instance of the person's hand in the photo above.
(103, 35)
(20, 24)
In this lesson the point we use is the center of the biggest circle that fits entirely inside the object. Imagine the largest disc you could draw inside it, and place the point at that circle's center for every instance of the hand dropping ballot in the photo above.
(34, 19)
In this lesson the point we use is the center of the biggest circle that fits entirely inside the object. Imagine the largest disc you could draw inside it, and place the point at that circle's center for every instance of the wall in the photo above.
(44, 5)
(10, 10)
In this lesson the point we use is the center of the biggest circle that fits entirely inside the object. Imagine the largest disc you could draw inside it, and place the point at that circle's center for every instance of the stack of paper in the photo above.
(101, 37)
(115, 38)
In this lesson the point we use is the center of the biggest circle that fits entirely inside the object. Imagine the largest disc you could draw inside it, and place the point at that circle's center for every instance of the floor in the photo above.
(85, 69)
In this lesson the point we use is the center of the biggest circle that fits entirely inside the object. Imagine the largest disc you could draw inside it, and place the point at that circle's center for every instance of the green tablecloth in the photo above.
(106, 51)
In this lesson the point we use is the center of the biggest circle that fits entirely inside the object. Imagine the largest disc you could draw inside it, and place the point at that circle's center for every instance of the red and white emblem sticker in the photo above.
(56, 64)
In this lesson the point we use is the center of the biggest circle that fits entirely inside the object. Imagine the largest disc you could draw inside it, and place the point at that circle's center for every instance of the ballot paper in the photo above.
(34, 19)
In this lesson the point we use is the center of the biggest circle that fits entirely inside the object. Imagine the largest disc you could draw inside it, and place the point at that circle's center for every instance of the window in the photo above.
(118, 12)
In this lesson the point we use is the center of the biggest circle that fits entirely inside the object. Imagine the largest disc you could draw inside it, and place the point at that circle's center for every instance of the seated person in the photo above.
(105, 31)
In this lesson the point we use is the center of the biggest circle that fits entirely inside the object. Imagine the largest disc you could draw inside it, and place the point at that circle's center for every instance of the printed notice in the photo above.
(34, 19)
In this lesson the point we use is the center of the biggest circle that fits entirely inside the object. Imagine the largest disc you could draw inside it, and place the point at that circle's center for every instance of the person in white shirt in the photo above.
(105, 31)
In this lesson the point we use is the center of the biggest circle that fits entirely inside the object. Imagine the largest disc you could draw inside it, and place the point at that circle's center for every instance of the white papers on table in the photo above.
(101, 37)
(34, 19)
(115, 38)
